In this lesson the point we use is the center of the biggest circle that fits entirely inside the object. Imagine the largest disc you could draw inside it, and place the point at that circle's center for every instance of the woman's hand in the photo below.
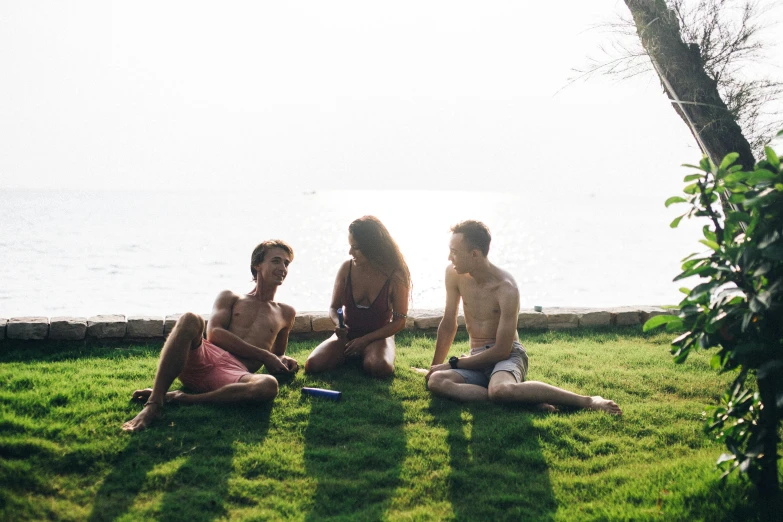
(356, 346)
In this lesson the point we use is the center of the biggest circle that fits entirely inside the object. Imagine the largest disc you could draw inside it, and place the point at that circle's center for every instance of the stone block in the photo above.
(302, 324)
(531, 320)
(3, 323)
(67, 328)
(562, 320)
(426, 319)
(461, 321)
(596, 318)
(322, 322)
(626, 315)
(410, 322)
(143, 327)
(107, 326)
(28, 328)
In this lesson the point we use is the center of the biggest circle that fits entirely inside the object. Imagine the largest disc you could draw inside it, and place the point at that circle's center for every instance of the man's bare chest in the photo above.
(256, 319)
(480, 302)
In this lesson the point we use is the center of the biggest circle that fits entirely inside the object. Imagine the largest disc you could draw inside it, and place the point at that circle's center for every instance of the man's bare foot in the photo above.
(546, 408)
(149, 413)
(599, 403)
(144, 395)
(141, 395)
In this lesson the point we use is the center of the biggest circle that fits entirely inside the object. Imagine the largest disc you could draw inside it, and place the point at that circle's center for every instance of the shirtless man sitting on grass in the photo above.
(496, 368)
(243, 333)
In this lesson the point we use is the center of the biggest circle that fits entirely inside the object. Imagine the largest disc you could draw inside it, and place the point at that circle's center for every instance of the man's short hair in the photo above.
(475, 233)
(260, 251)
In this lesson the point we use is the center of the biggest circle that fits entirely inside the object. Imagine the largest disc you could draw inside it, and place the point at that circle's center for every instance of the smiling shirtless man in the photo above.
(243, 333)
(497, 365)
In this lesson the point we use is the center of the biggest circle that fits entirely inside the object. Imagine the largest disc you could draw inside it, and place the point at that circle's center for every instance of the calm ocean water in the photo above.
(154, 253)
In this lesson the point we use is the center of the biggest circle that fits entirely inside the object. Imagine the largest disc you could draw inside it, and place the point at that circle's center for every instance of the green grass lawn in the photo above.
(387, 450)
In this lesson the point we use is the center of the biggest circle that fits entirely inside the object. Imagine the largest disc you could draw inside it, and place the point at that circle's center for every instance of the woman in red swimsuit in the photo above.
(373, 289)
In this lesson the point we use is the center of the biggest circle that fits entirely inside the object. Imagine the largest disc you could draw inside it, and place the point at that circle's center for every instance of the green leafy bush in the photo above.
(737, 308)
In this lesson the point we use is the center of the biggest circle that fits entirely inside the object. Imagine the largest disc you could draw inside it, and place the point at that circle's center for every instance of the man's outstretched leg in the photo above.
(250, 388)
(187, 335)
(504, 388)
(452, 385)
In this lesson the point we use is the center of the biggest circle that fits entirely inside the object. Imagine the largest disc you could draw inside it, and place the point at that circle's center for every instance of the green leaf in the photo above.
(711, 244)
(676, 221)
(769, 239)
(691, 177)
(684, 259)
(716, 362)
(705, 164)
(759, 199)
(674, 326)
(772, 157)
(773, 253)
(760, 303)
(659, 320)
(734, 177)
(685, 291)
(761, 175)
(693, 166)
(675, 199)
(738, 217)
(704, 271)
(693, 188)
(730, 158)
(709, 234)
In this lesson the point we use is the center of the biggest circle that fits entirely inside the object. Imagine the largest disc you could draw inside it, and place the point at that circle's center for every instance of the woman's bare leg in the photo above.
(378, 358)
(327, 356)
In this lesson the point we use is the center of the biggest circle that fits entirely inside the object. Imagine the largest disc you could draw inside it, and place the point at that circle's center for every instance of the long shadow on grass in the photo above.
(497, 469)
(354, 448)
(187, 456)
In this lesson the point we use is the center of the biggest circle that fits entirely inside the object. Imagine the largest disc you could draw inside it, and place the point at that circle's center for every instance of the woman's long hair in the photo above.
(379, 248)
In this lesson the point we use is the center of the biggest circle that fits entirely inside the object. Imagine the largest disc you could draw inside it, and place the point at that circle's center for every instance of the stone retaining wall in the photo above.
(306, 325)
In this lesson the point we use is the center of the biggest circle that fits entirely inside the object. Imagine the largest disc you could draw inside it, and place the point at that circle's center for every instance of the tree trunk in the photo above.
(693, 93)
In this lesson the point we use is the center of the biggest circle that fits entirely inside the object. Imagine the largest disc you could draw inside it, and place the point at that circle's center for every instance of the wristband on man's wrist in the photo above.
(453, 361)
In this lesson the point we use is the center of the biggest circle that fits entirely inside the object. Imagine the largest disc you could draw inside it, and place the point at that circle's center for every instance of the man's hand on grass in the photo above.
(274, 364)
(437, 368)
(290, 363)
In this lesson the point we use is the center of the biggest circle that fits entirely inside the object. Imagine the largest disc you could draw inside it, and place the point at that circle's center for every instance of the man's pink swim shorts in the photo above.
(210, 367)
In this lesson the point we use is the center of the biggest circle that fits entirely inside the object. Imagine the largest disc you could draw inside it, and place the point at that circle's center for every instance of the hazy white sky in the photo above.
(313, 95)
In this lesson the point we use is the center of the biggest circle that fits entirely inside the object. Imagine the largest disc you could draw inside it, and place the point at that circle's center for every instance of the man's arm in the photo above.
(281, 341)
(447, 328)
(508, 299)
(217, 333)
